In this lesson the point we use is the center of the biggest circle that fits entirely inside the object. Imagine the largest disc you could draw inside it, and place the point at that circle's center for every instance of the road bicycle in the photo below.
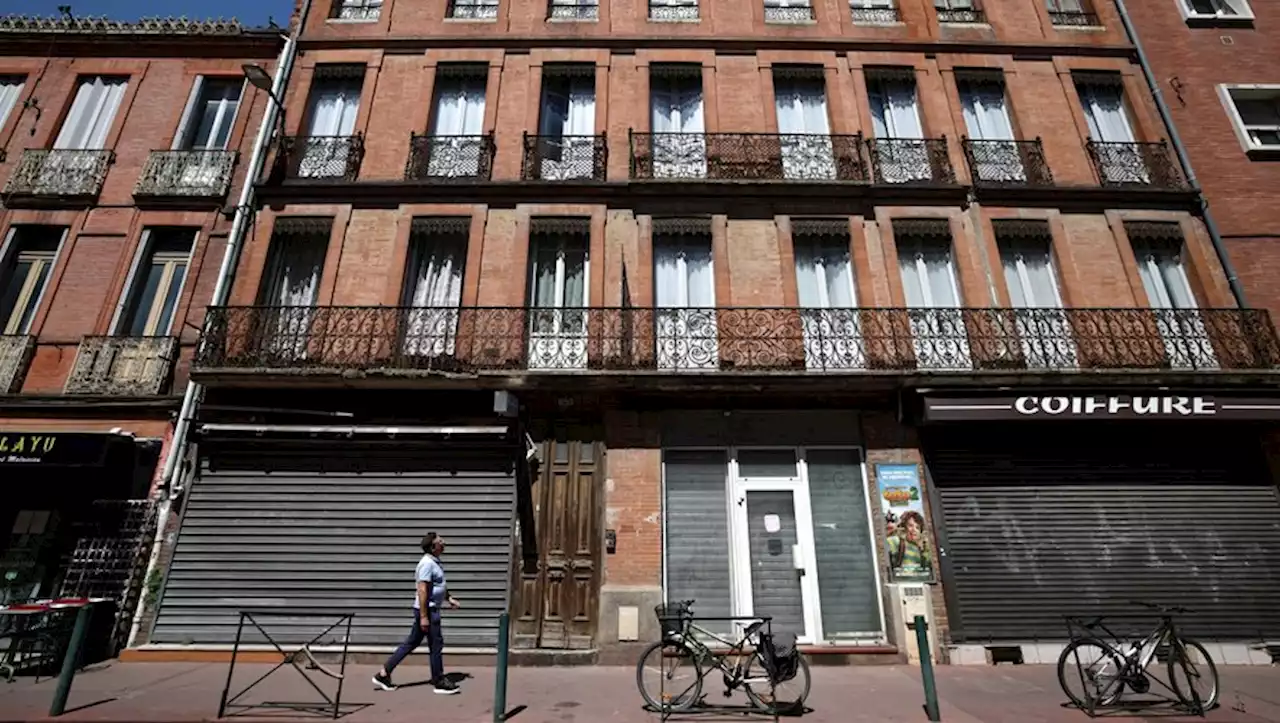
(670, 672)
(1105, 672)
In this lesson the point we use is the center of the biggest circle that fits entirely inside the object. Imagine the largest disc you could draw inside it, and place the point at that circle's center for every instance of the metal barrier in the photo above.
(329, 705)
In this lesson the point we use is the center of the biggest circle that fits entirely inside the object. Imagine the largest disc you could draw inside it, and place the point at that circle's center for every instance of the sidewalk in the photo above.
(187, 693)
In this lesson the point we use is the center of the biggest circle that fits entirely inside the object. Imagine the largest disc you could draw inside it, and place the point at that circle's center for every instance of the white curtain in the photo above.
(895, 118)
(558, 295)
(331, 122)
(932, 293)
(1040, 321)
(1164, 277)
(824, 280)
(567, 128)
(987, 118)
(435, 295)
(1066, 6)
(807, 153)
(456, 145)
(92, 113)
(684, 292)
(677, 112)
(1108, 122)
(10, 92)
(292, 287)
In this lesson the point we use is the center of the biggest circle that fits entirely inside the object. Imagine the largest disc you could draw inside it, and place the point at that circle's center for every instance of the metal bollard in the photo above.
(926, 670)
(500, 676)
(70, 661)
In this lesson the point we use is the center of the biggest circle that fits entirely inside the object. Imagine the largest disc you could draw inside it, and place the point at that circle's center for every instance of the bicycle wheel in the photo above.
(1095, 667)
(1195, 676)
(786, 697)
(669, 676)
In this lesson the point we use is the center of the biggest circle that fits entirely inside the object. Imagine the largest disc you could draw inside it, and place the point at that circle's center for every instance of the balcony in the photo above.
(194, 174)
(961, 16)
(123, 366)
(1007, 163)
(673, 11)
(574, 10)
(776, 12)
(1074, 19)
(914, 161)
(734, 340)
(15, 355)
(874, 16)
(445, 159)
(59, 173)
(1136, 165)
(321, 158)
(747, 157)
(564, 158)
(473, 10)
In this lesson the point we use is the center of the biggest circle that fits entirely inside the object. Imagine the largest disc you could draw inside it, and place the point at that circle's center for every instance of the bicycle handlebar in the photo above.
(1164, 609)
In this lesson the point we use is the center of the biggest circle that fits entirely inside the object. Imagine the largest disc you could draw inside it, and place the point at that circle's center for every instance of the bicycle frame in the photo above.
(718, 659)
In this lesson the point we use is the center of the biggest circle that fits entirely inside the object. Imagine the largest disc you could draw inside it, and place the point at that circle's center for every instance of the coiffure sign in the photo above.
(1098, 406)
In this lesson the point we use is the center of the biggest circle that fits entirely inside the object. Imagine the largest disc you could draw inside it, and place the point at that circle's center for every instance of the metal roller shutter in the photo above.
(1042, 522)
(336, 543)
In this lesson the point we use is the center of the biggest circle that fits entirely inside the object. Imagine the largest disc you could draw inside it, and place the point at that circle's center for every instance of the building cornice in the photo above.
(51, 36)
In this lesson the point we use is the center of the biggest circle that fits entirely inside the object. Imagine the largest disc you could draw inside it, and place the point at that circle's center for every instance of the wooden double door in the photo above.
(557, 605)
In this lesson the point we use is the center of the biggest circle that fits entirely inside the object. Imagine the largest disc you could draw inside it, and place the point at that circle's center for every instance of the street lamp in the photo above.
(260, 79)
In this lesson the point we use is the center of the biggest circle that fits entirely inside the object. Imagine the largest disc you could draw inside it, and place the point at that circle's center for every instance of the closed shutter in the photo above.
(334, 543)
(1047, 521)
(697, 532)
(843, 544)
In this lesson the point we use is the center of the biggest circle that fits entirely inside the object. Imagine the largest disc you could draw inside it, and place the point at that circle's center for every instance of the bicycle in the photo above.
(683, 642)
(1115, 671)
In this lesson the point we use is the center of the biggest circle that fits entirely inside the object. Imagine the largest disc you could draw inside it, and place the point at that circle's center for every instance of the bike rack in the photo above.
(700, 707)
(329, 706)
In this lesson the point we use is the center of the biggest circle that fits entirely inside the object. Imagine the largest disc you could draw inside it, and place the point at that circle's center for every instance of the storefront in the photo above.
(1056, 504)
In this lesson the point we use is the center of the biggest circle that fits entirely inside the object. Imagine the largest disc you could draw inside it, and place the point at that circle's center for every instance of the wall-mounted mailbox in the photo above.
(610, 541)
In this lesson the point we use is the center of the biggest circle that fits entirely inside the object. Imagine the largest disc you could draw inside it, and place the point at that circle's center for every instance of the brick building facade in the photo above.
(742, 265)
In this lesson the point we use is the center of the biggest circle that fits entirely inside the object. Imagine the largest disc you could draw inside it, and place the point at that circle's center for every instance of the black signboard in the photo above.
(47, 449)
(1033, 405)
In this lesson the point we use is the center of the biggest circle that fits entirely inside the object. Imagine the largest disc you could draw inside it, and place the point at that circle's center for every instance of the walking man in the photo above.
(427, 601)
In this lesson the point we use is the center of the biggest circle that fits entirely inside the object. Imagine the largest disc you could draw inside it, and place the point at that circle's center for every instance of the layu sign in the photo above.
(1098, 406)
(54, 448)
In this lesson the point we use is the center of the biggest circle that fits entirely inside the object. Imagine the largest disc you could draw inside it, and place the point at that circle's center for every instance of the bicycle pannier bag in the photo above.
(780, 655)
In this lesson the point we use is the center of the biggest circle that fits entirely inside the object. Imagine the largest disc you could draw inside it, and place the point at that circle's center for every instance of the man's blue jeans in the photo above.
(435, 644)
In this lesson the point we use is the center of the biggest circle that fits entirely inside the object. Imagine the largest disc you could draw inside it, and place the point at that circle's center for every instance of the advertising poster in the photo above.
(911, 556)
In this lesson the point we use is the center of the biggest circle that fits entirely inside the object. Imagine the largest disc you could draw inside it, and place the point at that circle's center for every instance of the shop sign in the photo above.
(906, 535)
(53, 448)
(1099, 406)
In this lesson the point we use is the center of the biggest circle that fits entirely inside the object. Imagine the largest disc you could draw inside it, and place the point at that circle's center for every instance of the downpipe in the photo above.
(1219, 247)
(169, 487)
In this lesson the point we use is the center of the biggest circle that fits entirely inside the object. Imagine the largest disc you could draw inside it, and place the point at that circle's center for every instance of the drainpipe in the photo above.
(244, 210)
(1218, 246)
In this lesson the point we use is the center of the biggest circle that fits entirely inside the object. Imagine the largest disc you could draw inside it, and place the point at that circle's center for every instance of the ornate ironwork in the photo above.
(123, 365)
(776, 13)
(1007, 163)
(743, 340)
(443, 159)
(190, 174)
(473, 9)
(358, 9)
(16, 351)
(322, 158)
(1074, 19)
(875, 16)
(911, 161)
(107, 26)
(1136, 164)
(747, 157)
(961, 16)
(574, 10)
(565, 158)
(60, 172)
(673, 11)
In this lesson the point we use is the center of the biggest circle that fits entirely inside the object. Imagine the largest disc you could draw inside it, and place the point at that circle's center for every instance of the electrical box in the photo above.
(910, 600)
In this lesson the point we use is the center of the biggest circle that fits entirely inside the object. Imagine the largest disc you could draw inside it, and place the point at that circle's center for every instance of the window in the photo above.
(827, 294)
(10, 91)
(29, 258)
(291, 284)
(157, 282)
(433, 284)
(210, 114)
(800, 99)
(959, 11)
(473, 9)
(1118, 156)
(332, 108)
(574, 10)
(995, 158)
(1028, 270)
(932, 294)
(457, 123)
(685, 294)
(901, 153)
(874, 12)
(1044, 331)
(1216, 10)
(673, 11)
(1159, 249)
(558, 270)
(679, 146)
(788, 11)
(566, 126)
(1071, 12)
(92, 113)
(363, 10)
(1255, 113)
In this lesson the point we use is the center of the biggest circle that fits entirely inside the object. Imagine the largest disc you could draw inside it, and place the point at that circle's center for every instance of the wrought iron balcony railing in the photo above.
(574, 10)
(735, 339)
(747, 157)
(1007, 163)
(60, 173)
(922, 161)
(673, 11)
(565, 158)
(321, 158)
(128, 366)
(1136, 165)
(473, 9)
(15, 356)
(875, 16)
(961, 16)
(777, 13)
(443, 159)
(186, 174)
(1074, 19)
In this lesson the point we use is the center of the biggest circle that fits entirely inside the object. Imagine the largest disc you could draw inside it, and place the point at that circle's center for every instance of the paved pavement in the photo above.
(189, 692)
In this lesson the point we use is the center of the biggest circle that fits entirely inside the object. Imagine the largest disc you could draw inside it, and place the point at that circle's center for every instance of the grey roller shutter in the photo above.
(1043, 522)
(335, 543)
(697, 532)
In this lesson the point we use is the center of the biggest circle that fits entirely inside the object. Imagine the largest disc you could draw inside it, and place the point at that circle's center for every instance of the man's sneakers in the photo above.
(383, 681)
(444, 686)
